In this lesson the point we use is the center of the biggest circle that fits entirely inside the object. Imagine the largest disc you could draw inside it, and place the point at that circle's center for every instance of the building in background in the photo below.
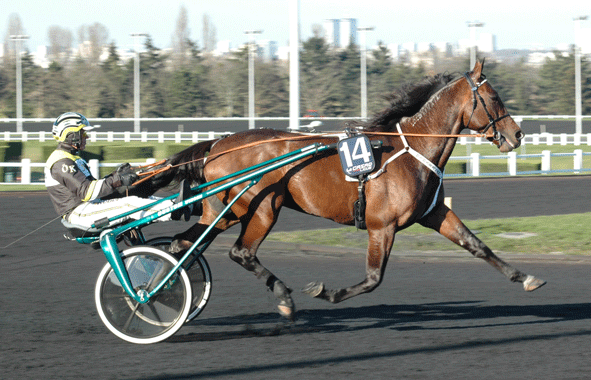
(340, 33)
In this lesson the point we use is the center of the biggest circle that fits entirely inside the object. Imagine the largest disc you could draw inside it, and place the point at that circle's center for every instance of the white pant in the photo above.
(86, 214)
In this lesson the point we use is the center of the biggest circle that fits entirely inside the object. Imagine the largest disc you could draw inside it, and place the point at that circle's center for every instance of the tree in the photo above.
(56, 91)
(111, 88)
(315, 75)
(227, 82)
(272, 95)
(557, 86)
(378, 64)
(60, 43)
(153, 79)
(209, 32)
(93, 38)
(180, 38)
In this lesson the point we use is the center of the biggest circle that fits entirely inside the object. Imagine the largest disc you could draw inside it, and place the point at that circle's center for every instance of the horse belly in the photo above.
(323, 193)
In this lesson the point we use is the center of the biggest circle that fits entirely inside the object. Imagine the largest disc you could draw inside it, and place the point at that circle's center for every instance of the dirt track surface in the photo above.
(435, 315)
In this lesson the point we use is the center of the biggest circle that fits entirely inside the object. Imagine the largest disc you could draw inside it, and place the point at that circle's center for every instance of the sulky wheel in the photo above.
(158, 319)
(199, 275)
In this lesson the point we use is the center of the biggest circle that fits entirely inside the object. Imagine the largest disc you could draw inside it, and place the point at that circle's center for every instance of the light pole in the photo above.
(18, 38)
(473, 25)
(578, 106)
(364, 71)
(294, 64)
(251, 47)
(136, 81)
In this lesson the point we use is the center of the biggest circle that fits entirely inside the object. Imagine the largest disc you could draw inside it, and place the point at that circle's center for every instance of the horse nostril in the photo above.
(519, 135)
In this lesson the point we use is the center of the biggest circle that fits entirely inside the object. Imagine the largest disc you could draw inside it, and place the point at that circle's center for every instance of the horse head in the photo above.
(487, 114)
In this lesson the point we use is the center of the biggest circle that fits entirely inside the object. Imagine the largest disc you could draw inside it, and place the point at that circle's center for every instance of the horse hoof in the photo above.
(531, 283)
(286, 311)
(314, 289)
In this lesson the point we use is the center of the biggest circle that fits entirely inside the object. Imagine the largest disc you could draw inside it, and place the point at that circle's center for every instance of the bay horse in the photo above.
(424, 120)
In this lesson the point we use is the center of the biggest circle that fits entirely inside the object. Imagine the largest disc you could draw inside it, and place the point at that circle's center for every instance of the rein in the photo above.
(151, 173)
(477, 97)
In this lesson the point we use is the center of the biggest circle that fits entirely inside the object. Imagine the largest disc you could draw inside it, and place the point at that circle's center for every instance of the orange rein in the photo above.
(151, 173)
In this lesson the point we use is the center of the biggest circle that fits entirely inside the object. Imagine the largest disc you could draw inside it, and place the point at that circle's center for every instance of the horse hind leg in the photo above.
(247, 259)
(446, 222)
(254, 230)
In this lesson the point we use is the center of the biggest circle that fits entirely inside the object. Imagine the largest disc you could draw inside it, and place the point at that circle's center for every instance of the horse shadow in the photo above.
(429, 316)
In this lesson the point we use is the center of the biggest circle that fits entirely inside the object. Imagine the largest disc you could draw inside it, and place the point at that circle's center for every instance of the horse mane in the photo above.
(407, 101)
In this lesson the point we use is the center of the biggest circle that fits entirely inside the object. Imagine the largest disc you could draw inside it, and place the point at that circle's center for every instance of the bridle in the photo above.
(491, 122)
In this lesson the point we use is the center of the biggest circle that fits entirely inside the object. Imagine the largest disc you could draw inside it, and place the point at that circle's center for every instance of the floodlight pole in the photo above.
(19, 81)
(473, 25)
(578, 97)
(251, 47)
(294, 64)
(364, 71)
(136, 81)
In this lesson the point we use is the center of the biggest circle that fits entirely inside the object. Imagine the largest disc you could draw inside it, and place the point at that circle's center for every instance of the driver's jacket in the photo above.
(70, 183)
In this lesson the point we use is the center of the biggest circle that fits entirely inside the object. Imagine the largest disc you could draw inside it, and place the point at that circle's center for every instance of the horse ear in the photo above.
(477, 70)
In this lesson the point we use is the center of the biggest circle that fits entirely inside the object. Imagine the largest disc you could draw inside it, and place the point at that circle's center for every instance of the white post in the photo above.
(94, 168)
(546, 164)
(294, 64)
(26, 171)
(512, 163)
(578, 160)
(475, 159)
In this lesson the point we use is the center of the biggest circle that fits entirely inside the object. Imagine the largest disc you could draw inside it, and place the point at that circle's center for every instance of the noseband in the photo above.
(491, 122)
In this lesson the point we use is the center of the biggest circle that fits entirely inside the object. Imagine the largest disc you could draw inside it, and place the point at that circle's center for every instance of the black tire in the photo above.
(199, 275)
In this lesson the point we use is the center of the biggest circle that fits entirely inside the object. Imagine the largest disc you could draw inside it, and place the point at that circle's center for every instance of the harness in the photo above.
(422, 159)
(477, 97)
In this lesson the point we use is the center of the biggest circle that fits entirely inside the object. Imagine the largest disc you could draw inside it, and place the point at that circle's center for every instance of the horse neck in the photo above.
(441, 115)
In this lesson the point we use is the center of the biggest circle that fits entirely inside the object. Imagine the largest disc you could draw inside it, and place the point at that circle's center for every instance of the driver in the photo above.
(80, 198)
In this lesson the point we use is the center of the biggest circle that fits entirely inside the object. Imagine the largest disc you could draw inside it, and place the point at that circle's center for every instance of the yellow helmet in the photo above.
(70, 122)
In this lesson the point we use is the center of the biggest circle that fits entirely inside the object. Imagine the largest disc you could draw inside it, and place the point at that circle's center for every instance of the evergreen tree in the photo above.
(557, 86)
(316, 75)
(56, 91)
(112, 94)
(153, 79)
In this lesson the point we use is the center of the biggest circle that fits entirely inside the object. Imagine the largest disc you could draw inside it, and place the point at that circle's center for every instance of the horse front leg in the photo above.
(380, 244)
(447, 223)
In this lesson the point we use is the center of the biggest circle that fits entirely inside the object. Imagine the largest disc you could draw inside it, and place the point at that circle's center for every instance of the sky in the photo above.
(517, 24)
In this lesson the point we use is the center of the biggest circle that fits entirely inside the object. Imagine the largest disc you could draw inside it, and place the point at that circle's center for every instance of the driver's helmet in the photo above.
(70, 124)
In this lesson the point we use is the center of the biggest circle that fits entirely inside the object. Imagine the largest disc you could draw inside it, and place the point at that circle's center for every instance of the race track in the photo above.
(435, 315)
